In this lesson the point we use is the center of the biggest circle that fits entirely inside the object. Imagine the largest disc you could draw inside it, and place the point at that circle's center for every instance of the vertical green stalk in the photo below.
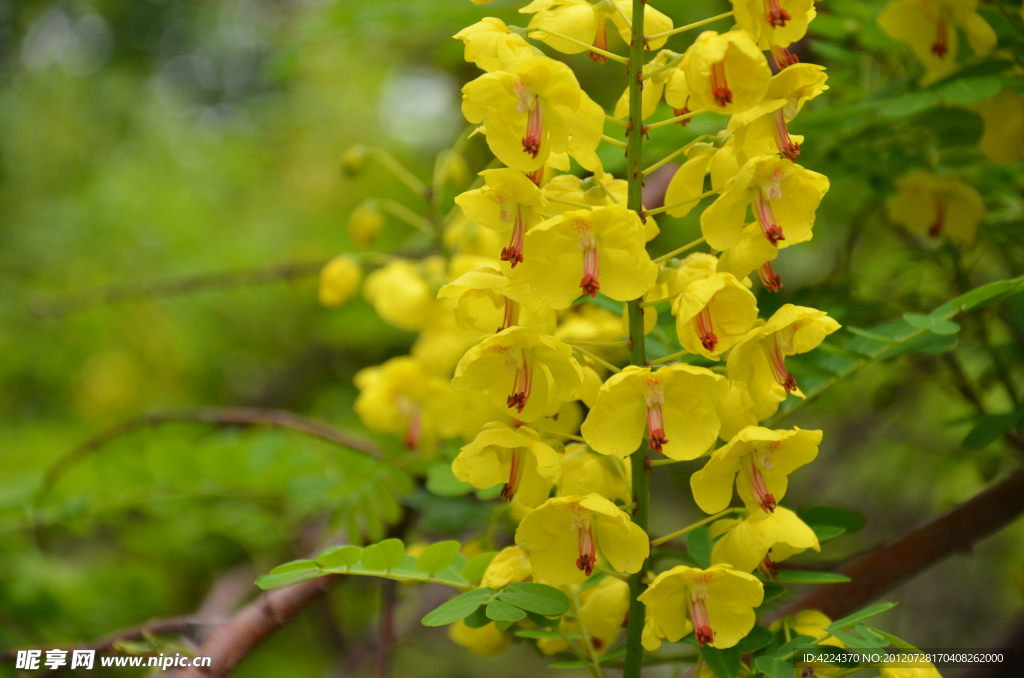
(637, 350)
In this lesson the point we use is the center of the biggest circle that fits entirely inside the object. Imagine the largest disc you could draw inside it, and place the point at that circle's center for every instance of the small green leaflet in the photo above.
(458, 608)
(858, 617)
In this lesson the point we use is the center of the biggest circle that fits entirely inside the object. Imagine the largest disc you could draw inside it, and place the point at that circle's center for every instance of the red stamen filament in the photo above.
(534, 129)
(769, 278)
(767, 566)
(537, 176)
(522, 384)
(412, 436)
(587, 548)
(590, 283)
(777, 362)
(719, 86)
(511, 318)
(705, 330)
(940, 218)
(775, 14)
(514, 476)
(514, 252)
(783, 57)
(941, 46)
(788, 148)
(683, 111)
(701, 622)
(600, 42)
(764, 498)
(766, 218)
(656, 428)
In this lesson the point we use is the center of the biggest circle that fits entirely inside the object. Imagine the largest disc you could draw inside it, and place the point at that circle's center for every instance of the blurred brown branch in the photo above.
(58, 305)
(222, 416)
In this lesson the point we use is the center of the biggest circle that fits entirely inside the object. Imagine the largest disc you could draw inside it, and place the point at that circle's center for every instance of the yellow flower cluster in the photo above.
(513, 358)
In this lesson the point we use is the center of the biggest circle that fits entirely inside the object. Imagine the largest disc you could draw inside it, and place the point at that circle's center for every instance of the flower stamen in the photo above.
(775, 14)
(529, 103)
(788, 148)
(683, 111)
(590, 283)
(777, 363)
(515, 475)
(768, 567)
(522, 384)
(941, 46)
(702, 630)
(940, 218)
(587, 545)
(655, 417)
(600, 42)
(719, 85)
(514, 252)
(766, 218)
(769, 278)
(783, 57)
(765, 499)
(412, 435)
(705, 330)
(511, 317)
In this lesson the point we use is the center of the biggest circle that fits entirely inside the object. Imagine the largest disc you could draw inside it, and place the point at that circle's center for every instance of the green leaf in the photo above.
(857, 642)
(478, 619)
(775, 667)
(438, 556)
(932, 323)
(972, 90)
(475, 568)
(931, 343)
(868, 334)
(386, 555)
(458, 607)
(804, 577)
(911, 103)
(758, 637)
(617, 652)
(501, 611)
(698, 545)
(339, 556)
(868, 634)
(826, 532)
(832, 516)
(980, 296)
(567, 665)
(794, 643)
(548, 634)
(858, 617)
(442, 482)
(990, 428)
(725, 662)
(289, 573)
(894, 641)
(541, 620)
(772, 591)
(537, 598)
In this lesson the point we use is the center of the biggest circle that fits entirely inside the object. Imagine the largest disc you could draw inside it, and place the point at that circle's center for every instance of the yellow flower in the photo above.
(586, 22)
(763, 129)
(599, 191)
(809, 623)
(927, 203)
(589, 250)
(675, 403)
(760, 460)
(717, 604)
(930, 28)
(492, 46)
(726, 73)
(485, 641)
(532, 112)
(1003, 139)
(486, 300)
(401, 294)
(759, 542)
(603, 610)
(589, 322)
(585, 472)
(753, 252)
(775, 24)
(512, 564)
(339, 280)
(401, 398)
(783, 195)
(518, 368)
(653, 86)
(676, 275)
(441, 342)
(688, 181)
(365, 222)
(507, 201)
(759, 361)
(713, 314)
(528, 467)
(563, 535)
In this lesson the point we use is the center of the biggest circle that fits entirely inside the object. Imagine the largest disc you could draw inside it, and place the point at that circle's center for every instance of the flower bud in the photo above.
(339, 280)
(365, 222)
(353, 161)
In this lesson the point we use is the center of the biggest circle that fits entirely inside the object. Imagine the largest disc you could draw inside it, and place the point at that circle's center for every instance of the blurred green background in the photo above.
(151, 139)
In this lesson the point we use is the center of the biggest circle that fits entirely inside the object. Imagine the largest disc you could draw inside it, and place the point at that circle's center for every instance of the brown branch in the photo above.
(223, 416)
(889, 565)
(232, 641)
(58, 305)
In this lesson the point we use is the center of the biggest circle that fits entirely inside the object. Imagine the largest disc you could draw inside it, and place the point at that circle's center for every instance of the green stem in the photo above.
(600, 361)
(688, 27)
(680, 250)
(661, 361)
(672, 121)
(415, 220)
(696, 198)
(400, 172)
(638, 351)
(614, 142)
(690, 528)
(675, 154)
(591, 48)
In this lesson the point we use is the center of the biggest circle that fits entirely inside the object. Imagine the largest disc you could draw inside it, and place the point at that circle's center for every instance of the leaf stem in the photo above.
(614, 142)
(690, 528)
(600, 361)
(417, 221)
(688, 27)
(679, 250)
(675, 154)
(401, 172)
(696, 198)
(661, 361)
(591, 48)
(672, 121)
